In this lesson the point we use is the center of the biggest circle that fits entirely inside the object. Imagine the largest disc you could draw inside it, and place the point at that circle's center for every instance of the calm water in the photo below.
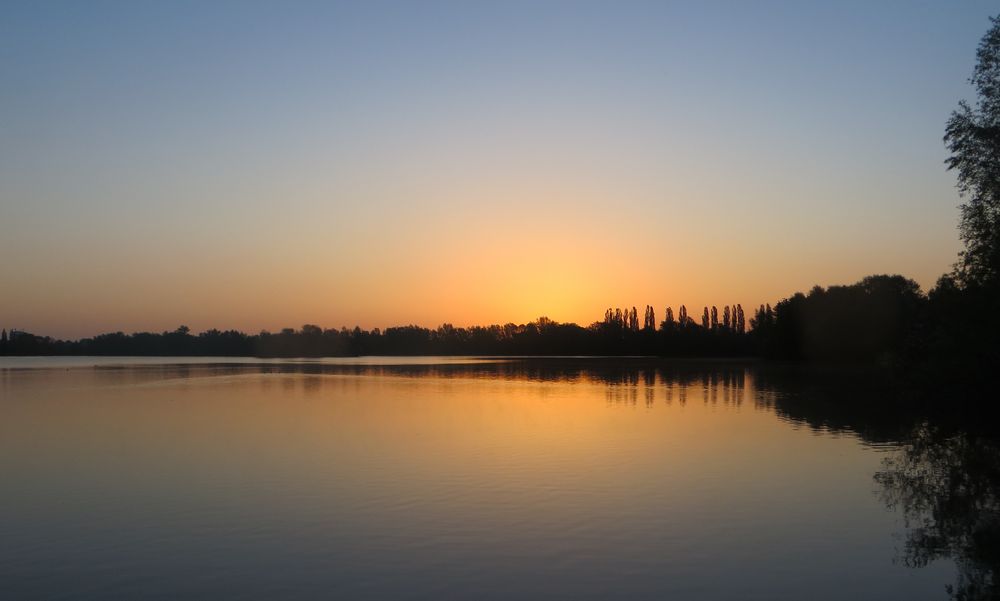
(439, 479)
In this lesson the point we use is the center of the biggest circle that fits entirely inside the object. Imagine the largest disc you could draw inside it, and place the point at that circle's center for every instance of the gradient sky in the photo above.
(262, 165)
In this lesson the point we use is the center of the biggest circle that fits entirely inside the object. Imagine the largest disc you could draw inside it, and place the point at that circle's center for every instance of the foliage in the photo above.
(973, 137)
(870, 321)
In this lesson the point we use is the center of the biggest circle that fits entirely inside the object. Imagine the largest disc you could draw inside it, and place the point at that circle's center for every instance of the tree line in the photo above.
(618, 334)
(860, 322)
(883, 319)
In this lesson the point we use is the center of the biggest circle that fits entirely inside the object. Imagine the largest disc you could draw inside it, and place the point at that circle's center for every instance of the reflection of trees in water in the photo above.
(943, 476)
(837, 400)
(947, 485)
(706, 382)
(625, 379)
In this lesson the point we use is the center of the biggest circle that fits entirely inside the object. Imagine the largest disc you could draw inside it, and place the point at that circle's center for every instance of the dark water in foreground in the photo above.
(438, 479)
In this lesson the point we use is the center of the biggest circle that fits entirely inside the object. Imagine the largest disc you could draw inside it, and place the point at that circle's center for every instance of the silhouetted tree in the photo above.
(704, 318)
(725, 318)
(874, 319)
(973, 137)
(715, 318)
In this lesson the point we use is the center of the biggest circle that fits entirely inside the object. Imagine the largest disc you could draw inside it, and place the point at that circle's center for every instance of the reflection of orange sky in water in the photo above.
(394, 431)
(610, 475)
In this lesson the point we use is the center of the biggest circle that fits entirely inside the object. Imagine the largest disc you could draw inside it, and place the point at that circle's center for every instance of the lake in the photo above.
(447, 478)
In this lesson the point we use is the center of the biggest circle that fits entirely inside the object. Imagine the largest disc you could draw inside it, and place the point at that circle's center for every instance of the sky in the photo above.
(259, 165)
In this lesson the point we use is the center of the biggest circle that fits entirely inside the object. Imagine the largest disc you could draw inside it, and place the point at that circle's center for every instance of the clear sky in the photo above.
(262, 165)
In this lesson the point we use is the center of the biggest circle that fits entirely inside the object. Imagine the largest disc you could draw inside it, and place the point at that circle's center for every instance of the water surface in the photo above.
(442, 478)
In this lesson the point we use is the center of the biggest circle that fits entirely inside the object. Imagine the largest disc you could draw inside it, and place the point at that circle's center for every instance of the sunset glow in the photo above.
(356, 167)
